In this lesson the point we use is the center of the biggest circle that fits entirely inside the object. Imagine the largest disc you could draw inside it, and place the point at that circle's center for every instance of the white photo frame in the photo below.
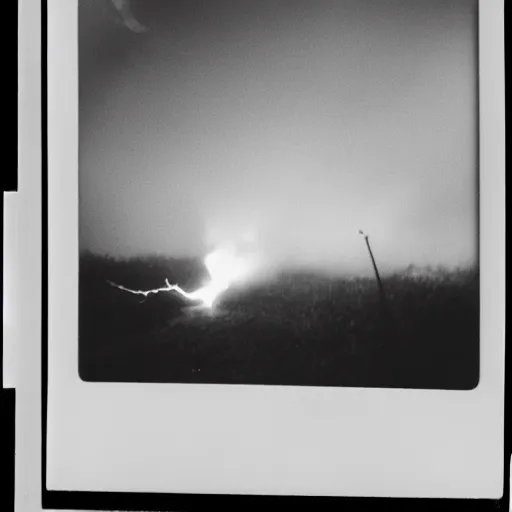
(173, 438)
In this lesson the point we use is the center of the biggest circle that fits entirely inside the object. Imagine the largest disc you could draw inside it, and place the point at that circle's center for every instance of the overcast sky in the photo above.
(300, 121)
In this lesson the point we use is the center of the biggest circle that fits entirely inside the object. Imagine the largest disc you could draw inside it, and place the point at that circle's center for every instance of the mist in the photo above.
(285, 125)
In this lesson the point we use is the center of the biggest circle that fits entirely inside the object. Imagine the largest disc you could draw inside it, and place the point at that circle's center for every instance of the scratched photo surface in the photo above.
(279, 192)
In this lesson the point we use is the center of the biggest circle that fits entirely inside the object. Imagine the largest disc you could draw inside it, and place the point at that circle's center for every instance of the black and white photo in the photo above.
(273, 253)
(279, 192)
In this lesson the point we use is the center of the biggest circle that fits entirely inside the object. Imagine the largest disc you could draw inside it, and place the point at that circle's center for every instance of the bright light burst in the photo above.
(224, 267)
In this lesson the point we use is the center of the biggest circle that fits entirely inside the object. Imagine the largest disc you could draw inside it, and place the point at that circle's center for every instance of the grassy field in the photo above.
(296, 329)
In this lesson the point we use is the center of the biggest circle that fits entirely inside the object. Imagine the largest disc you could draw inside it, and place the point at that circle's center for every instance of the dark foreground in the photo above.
(296, 330)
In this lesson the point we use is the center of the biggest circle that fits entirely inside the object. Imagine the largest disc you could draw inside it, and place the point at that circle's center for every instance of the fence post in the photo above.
(377, 275)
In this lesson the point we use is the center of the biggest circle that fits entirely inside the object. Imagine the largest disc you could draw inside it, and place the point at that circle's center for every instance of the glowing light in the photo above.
(123, 7)
(224, 267)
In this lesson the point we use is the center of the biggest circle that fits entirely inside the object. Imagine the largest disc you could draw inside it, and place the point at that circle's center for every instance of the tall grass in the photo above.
(295, 329)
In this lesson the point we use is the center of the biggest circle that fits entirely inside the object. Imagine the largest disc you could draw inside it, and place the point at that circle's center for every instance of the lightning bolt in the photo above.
(207, 294)
(201, 294)
(168, 288)
(223, 268)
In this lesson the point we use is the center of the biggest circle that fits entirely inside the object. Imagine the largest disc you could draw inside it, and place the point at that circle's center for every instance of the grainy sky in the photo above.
(300, 121)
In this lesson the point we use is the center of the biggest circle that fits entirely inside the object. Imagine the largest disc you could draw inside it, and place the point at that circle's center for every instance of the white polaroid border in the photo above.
(11, 275)
(266, 440)
(28, 202)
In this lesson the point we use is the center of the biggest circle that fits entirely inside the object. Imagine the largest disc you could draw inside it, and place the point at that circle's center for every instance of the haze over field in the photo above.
(294, 122)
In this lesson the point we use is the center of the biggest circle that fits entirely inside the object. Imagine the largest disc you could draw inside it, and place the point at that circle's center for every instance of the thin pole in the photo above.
(377, 275)
(388, 327)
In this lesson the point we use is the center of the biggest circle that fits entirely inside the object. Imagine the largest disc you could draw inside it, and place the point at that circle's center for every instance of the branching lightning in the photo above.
(224, 269)
(168, 288)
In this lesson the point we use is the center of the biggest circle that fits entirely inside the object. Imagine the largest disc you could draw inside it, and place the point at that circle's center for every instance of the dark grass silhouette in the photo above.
(296, 329)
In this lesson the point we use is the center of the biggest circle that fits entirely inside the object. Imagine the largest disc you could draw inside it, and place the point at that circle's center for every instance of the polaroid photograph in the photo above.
(274, 248)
